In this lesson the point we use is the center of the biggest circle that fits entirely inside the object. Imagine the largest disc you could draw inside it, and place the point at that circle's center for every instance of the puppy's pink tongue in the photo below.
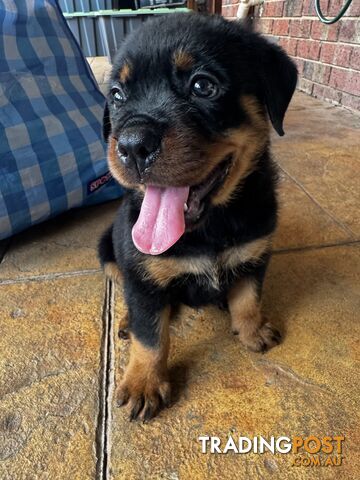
(161, 221)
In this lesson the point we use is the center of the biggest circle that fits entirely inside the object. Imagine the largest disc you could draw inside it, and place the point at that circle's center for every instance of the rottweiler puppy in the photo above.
(186, 121)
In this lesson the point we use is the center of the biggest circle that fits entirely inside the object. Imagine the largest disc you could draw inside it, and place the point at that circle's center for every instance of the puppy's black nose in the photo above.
(138, 146)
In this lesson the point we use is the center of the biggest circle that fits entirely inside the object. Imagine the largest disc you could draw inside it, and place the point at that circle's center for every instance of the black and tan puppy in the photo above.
(187, 127)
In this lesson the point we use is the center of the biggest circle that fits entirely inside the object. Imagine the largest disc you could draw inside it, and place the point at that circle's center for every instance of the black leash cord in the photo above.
(329, 21)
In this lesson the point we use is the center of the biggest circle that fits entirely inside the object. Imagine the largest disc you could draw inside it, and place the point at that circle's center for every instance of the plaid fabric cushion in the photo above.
(52, 157)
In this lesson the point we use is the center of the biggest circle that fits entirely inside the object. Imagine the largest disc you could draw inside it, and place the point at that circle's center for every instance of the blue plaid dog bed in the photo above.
(52, 157)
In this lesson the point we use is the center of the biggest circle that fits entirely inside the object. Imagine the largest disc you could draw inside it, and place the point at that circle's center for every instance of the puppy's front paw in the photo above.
(123, 331)
(262, 339)
(144, 395)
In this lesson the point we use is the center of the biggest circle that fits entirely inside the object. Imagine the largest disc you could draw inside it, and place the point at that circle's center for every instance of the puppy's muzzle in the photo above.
(138, 147)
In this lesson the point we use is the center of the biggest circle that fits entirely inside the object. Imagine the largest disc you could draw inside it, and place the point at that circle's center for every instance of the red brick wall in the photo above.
(328, 57)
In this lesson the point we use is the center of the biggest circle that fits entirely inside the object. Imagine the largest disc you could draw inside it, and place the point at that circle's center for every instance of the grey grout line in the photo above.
(49, 276)
(110, 382)
(315, 247)
(103, 437)
(60, 275)
(340, 224)
(100, 430)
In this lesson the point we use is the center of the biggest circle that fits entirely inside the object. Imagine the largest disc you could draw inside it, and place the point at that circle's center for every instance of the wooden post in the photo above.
(192, 5)
(217, 4)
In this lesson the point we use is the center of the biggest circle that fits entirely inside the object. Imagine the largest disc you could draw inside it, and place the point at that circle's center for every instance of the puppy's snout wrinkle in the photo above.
(138, 147)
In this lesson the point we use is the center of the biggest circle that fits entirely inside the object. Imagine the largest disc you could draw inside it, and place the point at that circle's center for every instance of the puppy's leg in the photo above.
(123, 331)
(145, 386)
(112, 271)
(107, 257)
(254, 331)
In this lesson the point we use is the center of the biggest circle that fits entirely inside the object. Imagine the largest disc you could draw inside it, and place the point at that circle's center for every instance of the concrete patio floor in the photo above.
(61, 358)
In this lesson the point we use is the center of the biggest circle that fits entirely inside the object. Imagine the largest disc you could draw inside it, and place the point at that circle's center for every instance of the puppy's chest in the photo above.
(209, 270)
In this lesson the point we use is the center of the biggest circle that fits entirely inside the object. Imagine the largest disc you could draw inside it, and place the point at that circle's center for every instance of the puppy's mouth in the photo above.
(166, 212)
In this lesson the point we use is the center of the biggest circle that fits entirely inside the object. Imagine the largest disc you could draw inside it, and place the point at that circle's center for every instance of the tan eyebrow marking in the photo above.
(125, 73)
(183, 60)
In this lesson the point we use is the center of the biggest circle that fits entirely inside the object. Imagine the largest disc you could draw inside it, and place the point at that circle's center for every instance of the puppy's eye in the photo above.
(117, 94)
(204, 87)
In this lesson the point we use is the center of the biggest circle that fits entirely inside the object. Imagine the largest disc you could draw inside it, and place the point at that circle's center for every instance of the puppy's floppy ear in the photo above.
(106, 128)
(278, 82)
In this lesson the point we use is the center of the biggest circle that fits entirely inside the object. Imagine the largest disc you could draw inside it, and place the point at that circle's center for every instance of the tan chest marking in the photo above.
(208, 270)
(252, 251)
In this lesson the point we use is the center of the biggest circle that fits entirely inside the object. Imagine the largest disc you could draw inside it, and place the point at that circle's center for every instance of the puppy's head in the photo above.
(186, 117)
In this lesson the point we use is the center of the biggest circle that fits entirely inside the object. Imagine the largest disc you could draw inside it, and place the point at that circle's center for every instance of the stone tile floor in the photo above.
(61, 359)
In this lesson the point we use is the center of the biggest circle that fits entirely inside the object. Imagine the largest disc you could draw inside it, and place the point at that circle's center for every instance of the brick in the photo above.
(319, 31)
(308, 49)
(353, 10)
(273, 9)
(353, 83)
(308, 7)
(280, 27)
(336, 5)
(292, 46)
(333, 8)
(229, 11)
(350, 31)
(342, 55)
(338, 78)
(289, 45)
(318, 91)
(308, 70)
(265, 25)
(306, 86)
(327, 93)
(224, 10)
(300, 28)
(230, 2)
(328, 53)
(300, 65)
(316, 72)
(327, 56)
(293, 8)
(351, 101)
(283, 42)
(355, 58)
(321, 73)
